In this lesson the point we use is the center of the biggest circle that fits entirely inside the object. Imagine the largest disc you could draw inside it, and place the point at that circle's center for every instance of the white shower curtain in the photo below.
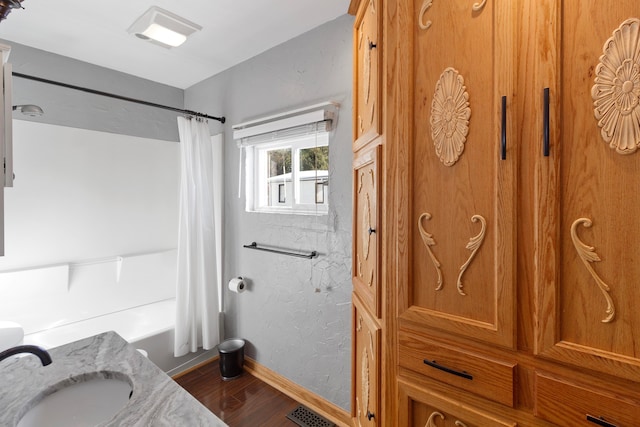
(198, 263)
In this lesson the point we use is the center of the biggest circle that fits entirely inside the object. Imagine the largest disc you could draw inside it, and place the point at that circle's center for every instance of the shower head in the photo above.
(29, 110)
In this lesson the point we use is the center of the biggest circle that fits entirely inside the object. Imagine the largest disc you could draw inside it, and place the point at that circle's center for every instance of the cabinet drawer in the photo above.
(567, 403)
(479, 374)
(424, 408)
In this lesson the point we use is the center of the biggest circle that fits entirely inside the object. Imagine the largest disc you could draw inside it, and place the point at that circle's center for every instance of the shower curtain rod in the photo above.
(122, 98)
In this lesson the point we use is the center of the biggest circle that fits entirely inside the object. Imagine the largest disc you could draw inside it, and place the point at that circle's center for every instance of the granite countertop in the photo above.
(157, 400)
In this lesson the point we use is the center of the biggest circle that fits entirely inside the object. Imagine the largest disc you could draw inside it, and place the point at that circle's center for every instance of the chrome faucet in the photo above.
(33, 349)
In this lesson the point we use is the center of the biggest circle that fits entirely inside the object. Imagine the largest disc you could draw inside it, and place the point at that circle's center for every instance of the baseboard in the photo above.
(312, 401)
(193, 368)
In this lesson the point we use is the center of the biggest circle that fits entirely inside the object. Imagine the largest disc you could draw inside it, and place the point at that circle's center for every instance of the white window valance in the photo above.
(314, 119)
(291, 124)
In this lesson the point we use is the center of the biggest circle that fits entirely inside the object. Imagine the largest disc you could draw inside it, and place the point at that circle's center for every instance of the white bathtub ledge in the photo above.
(156, 399)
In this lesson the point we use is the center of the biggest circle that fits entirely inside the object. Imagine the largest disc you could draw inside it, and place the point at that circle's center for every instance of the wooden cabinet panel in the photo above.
(367, 75)
(477, 373)
(461, 186)
(366, 367)
(589, 221)
(568, 404)
(422, 408)
(366, 234)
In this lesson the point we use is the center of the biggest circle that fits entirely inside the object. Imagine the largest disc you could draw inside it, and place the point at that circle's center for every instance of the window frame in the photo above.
(256, 161)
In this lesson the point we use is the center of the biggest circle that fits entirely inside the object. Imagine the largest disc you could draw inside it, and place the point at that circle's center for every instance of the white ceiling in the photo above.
(233, 31)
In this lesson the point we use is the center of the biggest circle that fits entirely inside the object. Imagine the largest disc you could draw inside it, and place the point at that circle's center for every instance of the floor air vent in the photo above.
(305, 417)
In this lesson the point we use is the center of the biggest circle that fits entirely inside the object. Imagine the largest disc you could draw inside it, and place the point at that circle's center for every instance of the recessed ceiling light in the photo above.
(162, 27)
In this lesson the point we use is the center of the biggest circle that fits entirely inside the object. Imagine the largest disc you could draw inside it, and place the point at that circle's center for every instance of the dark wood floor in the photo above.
(242, 402)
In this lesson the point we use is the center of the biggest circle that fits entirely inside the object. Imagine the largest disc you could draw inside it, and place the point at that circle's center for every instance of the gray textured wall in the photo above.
(296, 315)
(67, 107)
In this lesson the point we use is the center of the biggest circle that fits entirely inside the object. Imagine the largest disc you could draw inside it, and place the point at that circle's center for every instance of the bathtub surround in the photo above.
(197, 276)
(82, 195)
(92, 226)
(296, 314)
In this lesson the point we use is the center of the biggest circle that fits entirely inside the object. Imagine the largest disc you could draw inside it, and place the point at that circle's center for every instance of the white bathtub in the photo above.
(149, 327)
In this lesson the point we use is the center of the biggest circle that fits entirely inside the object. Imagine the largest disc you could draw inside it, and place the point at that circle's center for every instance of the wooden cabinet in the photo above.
(508, 208)
(461, 156)
(366, 367)
(367, 85)
(589, 216)
(365, 270)
(367, 407)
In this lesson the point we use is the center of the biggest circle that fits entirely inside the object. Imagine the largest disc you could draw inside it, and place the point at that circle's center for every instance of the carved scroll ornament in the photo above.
(431, 422)
(473, 245)
(426, 5)
(365, 379)
(588, 255)
(366, 226)
(450, 114)
(428, 241)
(477, 7)
(616, 92)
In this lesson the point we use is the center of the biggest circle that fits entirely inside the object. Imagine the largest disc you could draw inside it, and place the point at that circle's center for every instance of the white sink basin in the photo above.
(84, 403)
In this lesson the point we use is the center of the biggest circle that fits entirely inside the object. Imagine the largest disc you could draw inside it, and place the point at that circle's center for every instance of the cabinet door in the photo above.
(589, 210)
(367, 62)
(366, 367)
(423, 408)
(461, 160)
(365, 231)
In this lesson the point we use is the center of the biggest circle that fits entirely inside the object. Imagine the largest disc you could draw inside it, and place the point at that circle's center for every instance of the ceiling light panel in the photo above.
(163, 27)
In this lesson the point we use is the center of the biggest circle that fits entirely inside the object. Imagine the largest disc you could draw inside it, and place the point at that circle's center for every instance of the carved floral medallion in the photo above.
(450, 114)
(616, 92)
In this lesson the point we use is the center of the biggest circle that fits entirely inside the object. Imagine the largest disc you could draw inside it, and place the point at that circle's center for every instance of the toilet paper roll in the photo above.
(237, 285)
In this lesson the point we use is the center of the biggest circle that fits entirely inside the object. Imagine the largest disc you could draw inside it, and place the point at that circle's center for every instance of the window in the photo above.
(287, 167)
(291, 175)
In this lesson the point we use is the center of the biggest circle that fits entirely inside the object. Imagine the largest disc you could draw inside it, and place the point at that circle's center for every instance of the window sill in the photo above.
(290, 212)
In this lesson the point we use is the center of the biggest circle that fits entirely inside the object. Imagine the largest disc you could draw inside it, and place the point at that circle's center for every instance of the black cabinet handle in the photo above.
(372, 45)
(503, 139)
(370, 415)
(545, 124)
(436, 365)
(599, 421)
(371, 231)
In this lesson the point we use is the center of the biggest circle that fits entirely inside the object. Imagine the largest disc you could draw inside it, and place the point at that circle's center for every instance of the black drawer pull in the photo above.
(599, 421)
(545, 124)
(371, 231)
(372, 45)
(370, 415)
(503, 136)
(436, 365)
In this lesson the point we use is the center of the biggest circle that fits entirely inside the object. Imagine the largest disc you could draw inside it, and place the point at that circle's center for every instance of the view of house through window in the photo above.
(292, 174)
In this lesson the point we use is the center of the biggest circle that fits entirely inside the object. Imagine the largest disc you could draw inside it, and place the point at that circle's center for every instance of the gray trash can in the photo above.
(231, 358)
